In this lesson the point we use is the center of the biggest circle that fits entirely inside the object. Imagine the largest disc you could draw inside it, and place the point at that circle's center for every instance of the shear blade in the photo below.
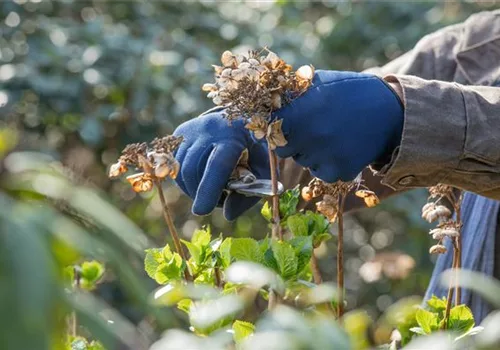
(260, 188)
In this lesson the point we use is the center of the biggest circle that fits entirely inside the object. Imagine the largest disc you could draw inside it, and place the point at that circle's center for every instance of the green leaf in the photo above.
(91, 273)
(303, 251)
(225, 251)
(288, 202)
(246, 249)
(437, 305)
(417, 330)
(266, 211)
(202, 237)
(322, 237)
(194, 251)
(152, 260)
(170, 270)
(242, 330)
(285, 258)
(318, 223)
(461, 319)
(166, 253)
(427, 320)
(270, 261)
(298, 225)
(185, 305)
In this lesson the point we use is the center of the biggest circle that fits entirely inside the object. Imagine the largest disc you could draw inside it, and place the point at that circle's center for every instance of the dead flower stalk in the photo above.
(155, 162)
(447, 227)
(332, 206)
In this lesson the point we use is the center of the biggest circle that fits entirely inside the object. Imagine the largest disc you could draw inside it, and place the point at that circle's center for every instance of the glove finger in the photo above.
(236, 204)
(220, 165)
(180, 154)
(195, 159)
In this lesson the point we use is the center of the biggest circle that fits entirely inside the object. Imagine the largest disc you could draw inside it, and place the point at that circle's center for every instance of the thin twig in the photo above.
(73, 319)
(315, 269)
(450, 293)
(171, 227)
(458, 243)
(218, 279)
(273, 163)
(340, 257)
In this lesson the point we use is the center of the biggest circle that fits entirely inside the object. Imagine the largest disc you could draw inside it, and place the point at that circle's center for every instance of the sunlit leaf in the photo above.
(242, 330)
(427, 320)
(246, 249)
(285, 258)
(461, 319)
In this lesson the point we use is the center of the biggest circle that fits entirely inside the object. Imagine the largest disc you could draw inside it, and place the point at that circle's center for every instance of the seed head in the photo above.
(437, 249)
(370, 198)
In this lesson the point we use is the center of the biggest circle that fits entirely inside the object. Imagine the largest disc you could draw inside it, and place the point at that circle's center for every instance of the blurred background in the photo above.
(81, 79)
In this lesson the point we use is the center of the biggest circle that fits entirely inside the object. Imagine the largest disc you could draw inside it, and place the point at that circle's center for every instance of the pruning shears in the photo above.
(245, 182)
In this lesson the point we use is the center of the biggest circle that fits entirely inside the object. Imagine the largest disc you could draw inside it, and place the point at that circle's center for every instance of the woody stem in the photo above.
(171, 227)
(340, 258)
(273, 163)
(458, 249)
(450, 292)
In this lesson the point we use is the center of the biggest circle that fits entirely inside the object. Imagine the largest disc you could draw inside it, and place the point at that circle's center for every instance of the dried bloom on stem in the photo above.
(437, 249)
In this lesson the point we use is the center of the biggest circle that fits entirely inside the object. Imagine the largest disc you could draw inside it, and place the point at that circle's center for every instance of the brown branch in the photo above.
(450, 293)
(273, 163)
(340, 257)
(171, 227)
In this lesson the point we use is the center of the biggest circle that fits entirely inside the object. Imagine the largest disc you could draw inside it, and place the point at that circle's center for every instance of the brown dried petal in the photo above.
(437, 249)
(369, 197)
(275, 137)
(228, 59)
(209, 87)
(275, 101)
(305, 73)
(140, 182)
(328, 207)
(258, 126)
(307, 193)
(117, 169)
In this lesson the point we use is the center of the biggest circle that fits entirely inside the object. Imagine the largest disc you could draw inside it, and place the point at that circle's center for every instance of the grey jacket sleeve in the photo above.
(451, 131)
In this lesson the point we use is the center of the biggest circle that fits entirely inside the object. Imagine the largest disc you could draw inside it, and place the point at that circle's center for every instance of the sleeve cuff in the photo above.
(433, 134)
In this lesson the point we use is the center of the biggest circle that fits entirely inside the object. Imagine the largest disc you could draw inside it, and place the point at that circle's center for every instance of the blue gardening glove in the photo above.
(208, 155)
(343, 123)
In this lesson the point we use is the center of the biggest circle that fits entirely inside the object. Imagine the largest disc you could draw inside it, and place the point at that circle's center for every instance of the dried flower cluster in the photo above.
(329, 205)
(252, 87)
(155, 161)
(435, 211)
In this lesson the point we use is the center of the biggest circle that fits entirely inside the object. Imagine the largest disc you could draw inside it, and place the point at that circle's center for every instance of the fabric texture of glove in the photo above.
(343, 123)
(208, 155)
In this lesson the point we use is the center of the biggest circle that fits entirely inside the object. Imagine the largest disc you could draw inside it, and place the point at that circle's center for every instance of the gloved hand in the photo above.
(208, 155)
(343, 123)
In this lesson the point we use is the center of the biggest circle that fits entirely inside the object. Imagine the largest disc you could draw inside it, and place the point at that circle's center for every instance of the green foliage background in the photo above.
(81, 79)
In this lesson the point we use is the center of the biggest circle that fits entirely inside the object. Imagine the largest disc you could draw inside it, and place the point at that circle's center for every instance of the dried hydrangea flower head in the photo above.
(155, 162)
(329, 205)
(434, 210)
(253, 86)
